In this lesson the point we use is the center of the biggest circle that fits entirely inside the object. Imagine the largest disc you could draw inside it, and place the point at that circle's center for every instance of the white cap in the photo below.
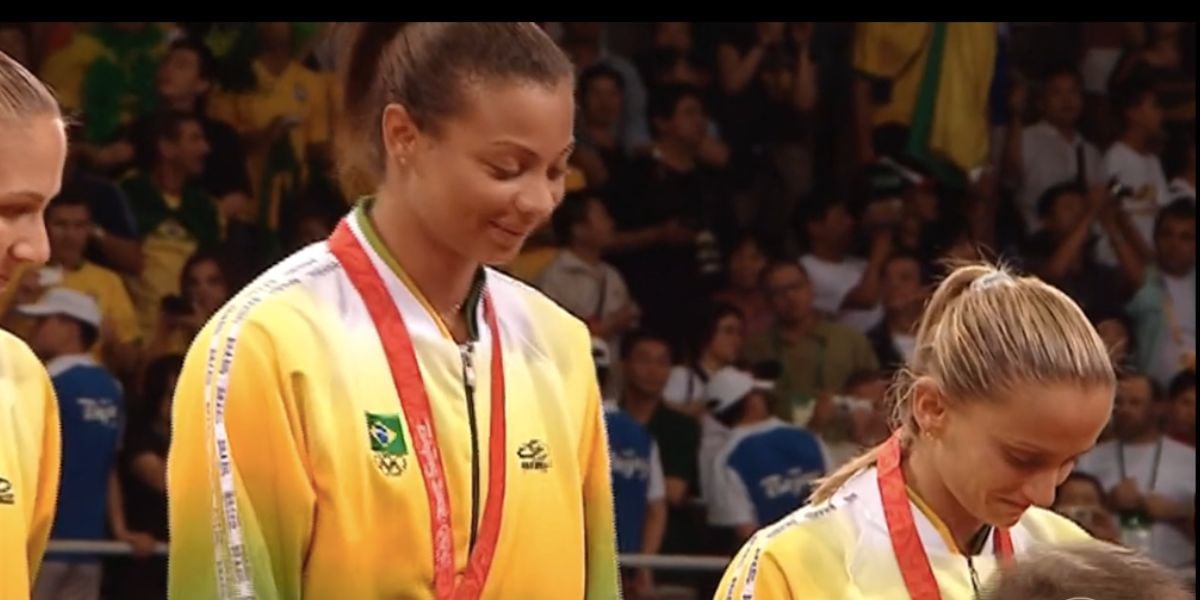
(63, 301)
(600, 353)
(729, 386)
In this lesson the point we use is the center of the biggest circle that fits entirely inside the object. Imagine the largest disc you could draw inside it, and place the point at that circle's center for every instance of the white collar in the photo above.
(419, 316)
(58, 366)
(862, 497)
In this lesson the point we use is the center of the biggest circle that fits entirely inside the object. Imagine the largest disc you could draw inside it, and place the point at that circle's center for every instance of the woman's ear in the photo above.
(930, 407)
(400, 133)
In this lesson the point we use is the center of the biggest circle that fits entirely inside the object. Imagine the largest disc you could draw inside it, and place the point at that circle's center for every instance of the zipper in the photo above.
(467, 352)
(974, 577)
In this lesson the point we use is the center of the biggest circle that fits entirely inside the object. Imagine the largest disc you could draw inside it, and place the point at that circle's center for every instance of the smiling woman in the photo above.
(383, 390)
(33, 149)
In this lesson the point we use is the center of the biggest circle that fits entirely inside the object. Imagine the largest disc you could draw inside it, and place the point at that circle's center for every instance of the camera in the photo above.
(853, 404)
(176, 306)
(1119, 191)
(50, 276)
(1082, 515)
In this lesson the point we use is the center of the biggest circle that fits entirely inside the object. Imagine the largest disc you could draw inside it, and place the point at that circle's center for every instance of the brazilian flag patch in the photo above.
(386, 433)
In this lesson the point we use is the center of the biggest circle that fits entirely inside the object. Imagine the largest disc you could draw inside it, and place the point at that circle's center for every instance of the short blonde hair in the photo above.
(22, 96)
(984, 333)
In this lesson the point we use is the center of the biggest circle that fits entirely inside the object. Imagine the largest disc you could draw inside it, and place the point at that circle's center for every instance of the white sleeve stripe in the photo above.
(751, 575)
(738, 569)
(229, 545)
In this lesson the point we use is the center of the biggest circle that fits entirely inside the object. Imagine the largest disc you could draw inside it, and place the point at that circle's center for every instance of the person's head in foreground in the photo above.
(1009, 384)
(33, 151)
(1084, 570)
(462, 130)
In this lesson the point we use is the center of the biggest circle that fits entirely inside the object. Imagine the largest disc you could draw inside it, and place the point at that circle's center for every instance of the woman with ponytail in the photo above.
(33, 150)
(1009, 384)
(383, 414)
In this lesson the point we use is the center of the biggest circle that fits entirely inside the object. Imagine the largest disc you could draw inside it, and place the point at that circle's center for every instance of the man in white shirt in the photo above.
(1048, 152)
(845, 288)
(1133, 163)
(1151, 479)
(578, 278)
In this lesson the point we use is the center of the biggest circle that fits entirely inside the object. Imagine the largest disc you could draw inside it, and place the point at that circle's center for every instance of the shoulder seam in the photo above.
(505, 279)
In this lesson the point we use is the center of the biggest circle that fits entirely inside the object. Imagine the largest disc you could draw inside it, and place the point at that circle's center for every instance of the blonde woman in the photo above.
(33, 149)
(1009, 384)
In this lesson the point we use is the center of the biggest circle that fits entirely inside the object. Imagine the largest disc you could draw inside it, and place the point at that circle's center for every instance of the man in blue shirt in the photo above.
(91, 412)
(639, 492)
(767, 466)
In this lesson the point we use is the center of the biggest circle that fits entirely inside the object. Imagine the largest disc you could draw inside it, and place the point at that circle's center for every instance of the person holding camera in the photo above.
(844, 287)
(205, 289)
(1062, 252)
(1151, 479)
(1051, 151)
(862, 417)
(1080, 497)
(1133, 163)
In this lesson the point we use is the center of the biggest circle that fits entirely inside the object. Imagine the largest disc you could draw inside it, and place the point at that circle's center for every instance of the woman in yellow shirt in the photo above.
(1008, 386)
(33, 150)
(383, 415)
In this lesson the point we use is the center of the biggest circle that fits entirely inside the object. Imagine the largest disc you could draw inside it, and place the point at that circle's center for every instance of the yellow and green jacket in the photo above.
(294, 471)
(29, 464)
